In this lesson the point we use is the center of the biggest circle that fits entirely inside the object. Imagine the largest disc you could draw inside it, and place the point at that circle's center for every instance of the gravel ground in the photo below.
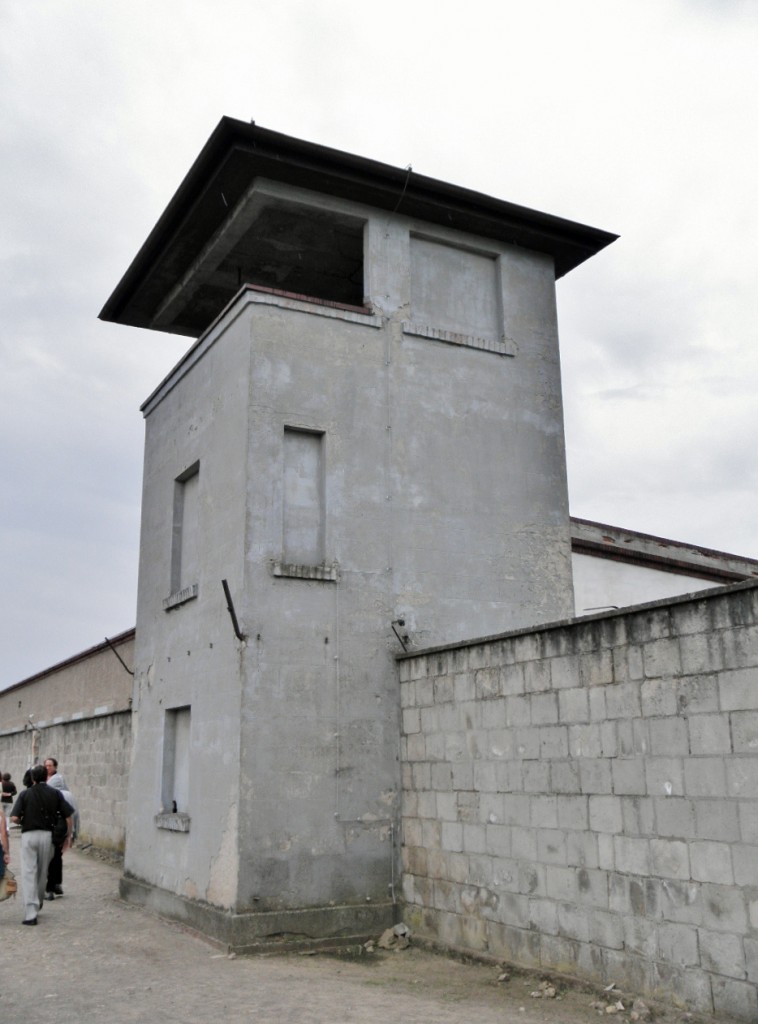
(95, 959)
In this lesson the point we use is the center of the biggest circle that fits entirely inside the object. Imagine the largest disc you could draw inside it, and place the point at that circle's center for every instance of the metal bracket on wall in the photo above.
(232, 613)
(118, 656)
(404, 638)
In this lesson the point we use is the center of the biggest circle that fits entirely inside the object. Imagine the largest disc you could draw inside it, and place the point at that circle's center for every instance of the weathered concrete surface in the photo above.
(257, 932)
(110, 961)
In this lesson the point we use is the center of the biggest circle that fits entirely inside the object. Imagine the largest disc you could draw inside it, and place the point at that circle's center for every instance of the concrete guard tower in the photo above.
(361, 451)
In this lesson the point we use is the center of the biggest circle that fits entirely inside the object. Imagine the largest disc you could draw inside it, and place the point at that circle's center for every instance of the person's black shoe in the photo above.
(32, 920)
(57, 890)
(49, 896)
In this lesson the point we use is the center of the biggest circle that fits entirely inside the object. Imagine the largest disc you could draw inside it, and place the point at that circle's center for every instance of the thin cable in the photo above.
(409, 169)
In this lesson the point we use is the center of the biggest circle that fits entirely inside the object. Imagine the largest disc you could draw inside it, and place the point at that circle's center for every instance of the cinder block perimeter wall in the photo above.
(583, 798)
(94, 756)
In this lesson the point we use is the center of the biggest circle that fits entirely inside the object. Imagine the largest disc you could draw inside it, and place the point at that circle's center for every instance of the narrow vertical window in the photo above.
(304, 514)
(184, 540)
(175, 794)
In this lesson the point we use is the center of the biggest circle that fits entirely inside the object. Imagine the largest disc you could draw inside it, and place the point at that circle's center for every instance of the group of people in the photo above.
(44, 800)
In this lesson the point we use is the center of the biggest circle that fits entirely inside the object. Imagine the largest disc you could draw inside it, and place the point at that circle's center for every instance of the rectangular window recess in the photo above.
(178, 822)
(180, 597)
(303, 497)
(326, 573)
(185, 532)
(503, 347)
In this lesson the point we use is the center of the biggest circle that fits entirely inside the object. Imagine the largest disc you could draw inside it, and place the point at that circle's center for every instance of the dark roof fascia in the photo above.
(320, 168)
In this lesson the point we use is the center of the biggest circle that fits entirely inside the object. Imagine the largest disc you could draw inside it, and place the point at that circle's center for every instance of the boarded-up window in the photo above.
(303, 533)
(185, 538)
(454, 290)
(175, 794)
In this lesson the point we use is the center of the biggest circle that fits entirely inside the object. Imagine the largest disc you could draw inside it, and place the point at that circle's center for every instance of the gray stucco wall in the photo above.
(187, 656)
(584, 798)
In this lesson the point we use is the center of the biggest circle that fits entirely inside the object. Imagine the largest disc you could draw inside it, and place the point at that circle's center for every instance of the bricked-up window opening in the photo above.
(185, 539)
(175, 792)
(304, 503)
(454, 289)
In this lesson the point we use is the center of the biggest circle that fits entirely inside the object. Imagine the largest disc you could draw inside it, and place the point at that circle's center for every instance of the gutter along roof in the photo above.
(239, 152)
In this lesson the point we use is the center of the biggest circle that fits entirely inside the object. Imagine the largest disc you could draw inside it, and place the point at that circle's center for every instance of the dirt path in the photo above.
(95, 959)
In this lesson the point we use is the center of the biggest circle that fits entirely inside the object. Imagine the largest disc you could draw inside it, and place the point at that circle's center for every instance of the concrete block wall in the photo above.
(583, 797)
(94, 755)
(15, 753)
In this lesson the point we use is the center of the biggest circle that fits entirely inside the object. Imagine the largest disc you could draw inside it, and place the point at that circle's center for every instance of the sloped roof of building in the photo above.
(109, 644)
(599, 540)
(237, 153)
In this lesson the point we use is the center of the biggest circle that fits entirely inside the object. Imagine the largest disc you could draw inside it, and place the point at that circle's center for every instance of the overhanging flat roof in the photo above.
(239, 152)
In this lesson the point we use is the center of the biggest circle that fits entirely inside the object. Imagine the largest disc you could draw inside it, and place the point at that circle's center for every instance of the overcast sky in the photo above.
(636, 116)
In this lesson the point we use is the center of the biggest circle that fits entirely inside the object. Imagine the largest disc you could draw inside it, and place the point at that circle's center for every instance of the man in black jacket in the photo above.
(36, 810)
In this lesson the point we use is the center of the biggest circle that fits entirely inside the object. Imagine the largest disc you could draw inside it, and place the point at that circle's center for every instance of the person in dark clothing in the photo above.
(5, 850)
(54, 885)
(36, 810)
(9, 791)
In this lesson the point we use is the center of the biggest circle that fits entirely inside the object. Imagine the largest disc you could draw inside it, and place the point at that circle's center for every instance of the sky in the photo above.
(640, 118)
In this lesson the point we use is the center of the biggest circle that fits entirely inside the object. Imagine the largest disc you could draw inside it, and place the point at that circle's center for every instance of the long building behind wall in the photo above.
(363, 449)
(79, 712)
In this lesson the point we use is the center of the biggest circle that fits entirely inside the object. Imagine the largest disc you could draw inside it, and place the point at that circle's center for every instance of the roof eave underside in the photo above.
(237, 152)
